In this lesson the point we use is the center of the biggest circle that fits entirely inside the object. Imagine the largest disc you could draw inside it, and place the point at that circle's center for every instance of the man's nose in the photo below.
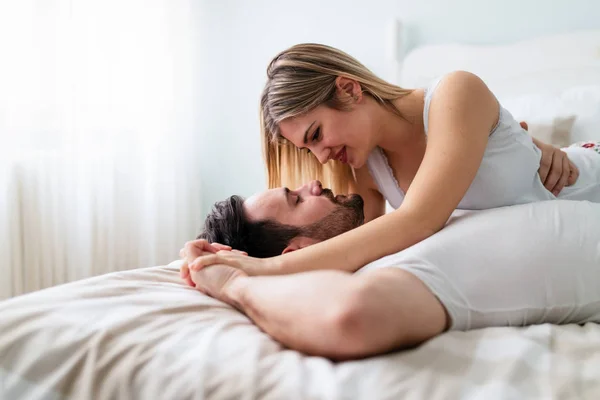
(313, 188)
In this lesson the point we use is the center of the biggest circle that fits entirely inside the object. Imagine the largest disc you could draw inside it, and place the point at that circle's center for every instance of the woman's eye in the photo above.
(314, 138)
(316, 134)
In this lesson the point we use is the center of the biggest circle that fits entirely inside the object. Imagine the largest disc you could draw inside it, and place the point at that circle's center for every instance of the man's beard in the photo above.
(348, 215)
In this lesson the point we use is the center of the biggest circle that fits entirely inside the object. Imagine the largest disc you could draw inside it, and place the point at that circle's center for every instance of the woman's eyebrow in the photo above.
(306, 133)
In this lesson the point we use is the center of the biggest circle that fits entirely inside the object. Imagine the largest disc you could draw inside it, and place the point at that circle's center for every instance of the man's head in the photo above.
(280, 220)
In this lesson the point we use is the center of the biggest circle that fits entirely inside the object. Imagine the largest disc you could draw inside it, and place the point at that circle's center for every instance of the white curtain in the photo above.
(97, 137)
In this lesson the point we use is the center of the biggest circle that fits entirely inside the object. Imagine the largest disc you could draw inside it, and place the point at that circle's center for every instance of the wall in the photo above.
(239, 38)
(242, 37)
(493, 21)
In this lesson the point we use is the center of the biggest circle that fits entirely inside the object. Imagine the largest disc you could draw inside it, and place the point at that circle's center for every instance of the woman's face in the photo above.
(330, 134)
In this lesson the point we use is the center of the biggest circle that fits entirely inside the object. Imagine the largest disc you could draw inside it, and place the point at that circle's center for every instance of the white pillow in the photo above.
(557, 132)
(581, 102)
(584, 103)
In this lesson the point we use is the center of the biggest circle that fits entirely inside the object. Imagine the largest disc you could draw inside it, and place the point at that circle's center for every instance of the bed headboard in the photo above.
(545, 64)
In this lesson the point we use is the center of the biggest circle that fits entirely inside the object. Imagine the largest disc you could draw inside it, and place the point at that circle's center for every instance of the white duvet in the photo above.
(141, 334)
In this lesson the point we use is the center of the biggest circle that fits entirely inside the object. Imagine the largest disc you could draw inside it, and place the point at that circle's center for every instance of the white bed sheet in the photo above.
(141, 334)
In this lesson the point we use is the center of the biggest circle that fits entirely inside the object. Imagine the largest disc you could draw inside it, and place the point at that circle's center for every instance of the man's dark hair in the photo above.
(228, 224)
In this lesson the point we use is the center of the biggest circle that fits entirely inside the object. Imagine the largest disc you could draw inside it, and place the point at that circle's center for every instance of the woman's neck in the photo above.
(400, 132)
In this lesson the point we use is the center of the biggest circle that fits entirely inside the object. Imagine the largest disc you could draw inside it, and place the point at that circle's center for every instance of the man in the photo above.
(519, 265)
(282, 220)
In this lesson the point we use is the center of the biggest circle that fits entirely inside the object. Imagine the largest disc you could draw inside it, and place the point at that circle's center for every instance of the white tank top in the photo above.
(508, 173)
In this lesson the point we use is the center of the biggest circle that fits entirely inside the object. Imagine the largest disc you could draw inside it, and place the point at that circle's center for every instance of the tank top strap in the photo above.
(428, 95)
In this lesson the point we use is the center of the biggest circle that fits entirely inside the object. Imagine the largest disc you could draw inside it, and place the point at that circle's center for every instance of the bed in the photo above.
(142, 334)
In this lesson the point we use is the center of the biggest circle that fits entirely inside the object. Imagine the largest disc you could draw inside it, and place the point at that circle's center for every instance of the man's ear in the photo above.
(348, 89)
(290, 248)
(299, 242)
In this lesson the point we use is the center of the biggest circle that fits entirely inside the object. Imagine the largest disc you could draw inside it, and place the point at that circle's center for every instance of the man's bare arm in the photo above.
(339, 315)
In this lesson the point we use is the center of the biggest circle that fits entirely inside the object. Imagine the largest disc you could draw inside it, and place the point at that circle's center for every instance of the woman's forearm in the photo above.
(352, 250)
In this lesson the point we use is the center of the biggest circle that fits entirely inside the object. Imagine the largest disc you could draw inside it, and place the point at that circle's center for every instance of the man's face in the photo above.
(321, 214)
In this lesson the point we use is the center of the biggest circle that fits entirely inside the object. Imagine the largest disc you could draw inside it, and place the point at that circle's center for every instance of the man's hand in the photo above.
(215, 281)
(198, 248)
(556, 170)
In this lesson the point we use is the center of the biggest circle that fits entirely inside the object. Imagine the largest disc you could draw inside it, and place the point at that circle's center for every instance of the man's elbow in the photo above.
(351, 331)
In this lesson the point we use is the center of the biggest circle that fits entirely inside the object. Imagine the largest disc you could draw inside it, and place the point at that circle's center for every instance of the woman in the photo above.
(428, 152)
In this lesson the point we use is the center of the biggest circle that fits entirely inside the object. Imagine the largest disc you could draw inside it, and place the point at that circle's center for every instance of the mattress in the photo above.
(142, 334)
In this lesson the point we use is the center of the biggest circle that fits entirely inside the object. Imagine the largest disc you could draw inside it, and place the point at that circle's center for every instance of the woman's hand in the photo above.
(198, 248)
(239, 260)
(556, 170)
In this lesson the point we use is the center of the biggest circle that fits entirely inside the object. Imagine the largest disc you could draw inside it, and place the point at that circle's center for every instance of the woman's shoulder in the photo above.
(461, 76)
(457, 81)
(456, 84)
(460, 90)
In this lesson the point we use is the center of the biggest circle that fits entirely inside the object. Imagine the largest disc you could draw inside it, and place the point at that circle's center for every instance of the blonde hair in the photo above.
(300, 79)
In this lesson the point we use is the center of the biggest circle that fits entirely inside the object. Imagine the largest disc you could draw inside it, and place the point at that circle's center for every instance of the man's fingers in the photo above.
(196, 248)
(184, 273)
(574, 174)
(552, 179)
(200, 253)
(203, 245)
(554, 175)
(545, 164)
(189, 281)
(562, 181)
(203, 261)
(222, 257)
(524, 125)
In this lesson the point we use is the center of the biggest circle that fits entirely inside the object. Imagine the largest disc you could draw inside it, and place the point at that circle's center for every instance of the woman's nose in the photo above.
(323, 155)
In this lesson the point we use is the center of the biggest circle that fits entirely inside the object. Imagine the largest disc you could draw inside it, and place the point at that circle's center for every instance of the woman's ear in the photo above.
(348, 89)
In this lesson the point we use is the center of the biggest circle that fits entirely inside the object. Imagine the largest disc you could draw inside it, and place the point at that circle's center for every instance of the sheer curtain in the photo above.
(97, 137)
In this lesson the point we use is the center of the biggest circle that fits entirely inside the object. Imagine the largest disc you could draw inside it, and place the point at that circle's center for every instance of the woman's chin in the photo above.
(356, 162)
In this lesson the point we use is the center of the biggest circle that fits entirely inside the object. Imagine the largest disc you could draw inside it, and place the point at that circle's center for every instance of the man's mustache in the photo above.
(328, 193)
